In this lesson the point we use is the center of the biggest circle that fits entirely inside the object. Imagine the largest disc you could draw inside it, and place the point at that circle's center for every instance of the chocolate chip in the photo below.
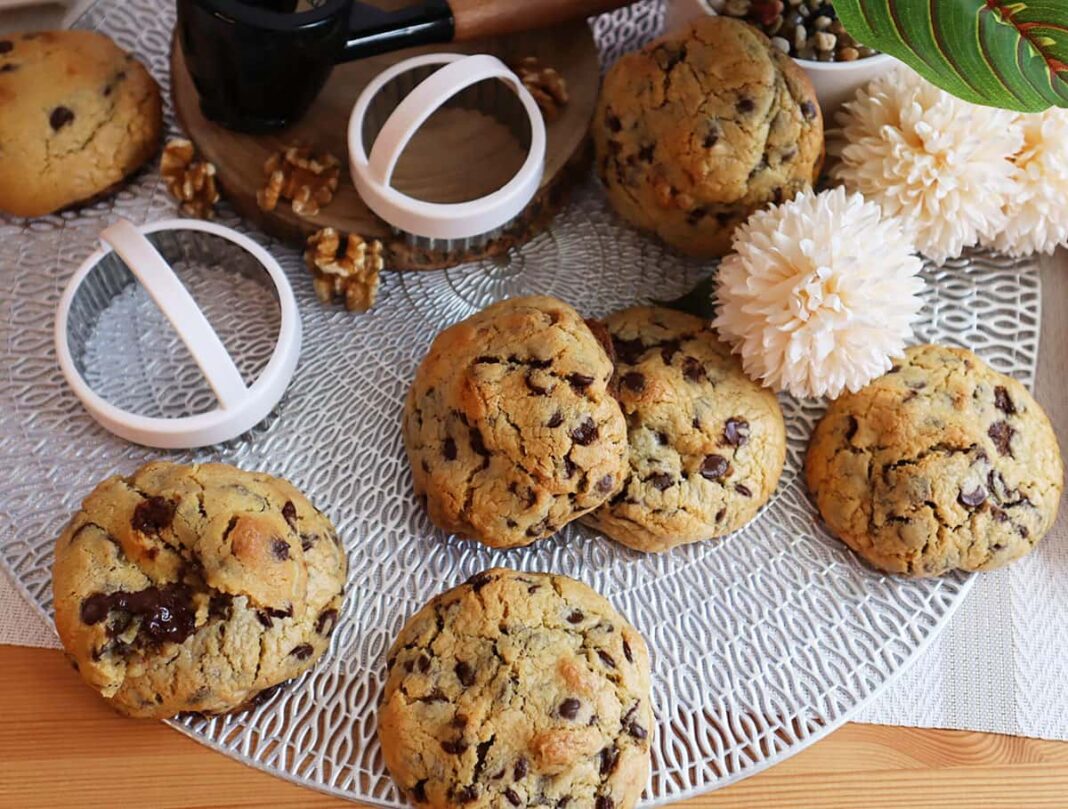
(569, 708)
(302, 652)
(423, 664)
(453, 747)
(808, 109)
(645, 153)
(110, 86)
(60, 117)
(579, 381)
(668, 350)
(521, 767)
(606, 658)
(153, 515)
(459, 721)
(585, 434)
(736, 432)
(10, 67)
(326, 622)
(634, 381)
(660, 481)
(6, 46)
(479, 580)
(307, 541)
(721, 514)
(569, 467)
(289, 512)
(604, 802)
(540, 529)
(627, 652)
(636, 730)
(693, 370)
(1002, 401)
(575, 617)
(999, 515)
(743, 490)
(745, 105)
(220, 605)
(564, 801)
(555, 420)
(1001, 434)
(711, 139)
(465, 674)
(612, 122)
(264, 619)
(283, 613)
(478, 446)
(448, 449)
(606, 484)
(973, 499)
(484, 360)
(512, 797)
(280, 549)
(609, 759)
(851, 428)
(437, 695)
(535, 388)
(419, 792)
(628, 351)
(662, 439)
(714, 467)
(468, 794)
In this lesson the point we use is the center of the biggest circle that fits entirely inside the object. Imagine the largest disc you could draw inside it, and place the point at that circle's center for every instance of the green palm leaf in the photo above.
(1002, 54)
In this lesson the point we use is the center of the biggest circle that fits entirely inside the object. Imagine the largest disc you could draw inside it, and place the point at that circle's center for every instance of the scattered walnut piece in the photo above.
(344, 267)
(546, 85)
(297, 173)
(190, 181)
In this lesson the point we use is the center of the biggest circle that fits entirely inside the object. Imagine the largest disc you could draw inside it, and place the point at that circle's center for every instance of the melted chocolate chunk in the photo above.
(736, 432)
(745, 104)
(579, 382)
(555, 420)
(479, 580)
(289, 513)
(418, 792)
(634, 381)
(302, 652)
(714, 467)
(512, 797)
(627, 652)
(808, 109)
(660, 481)
(575, 617)
(1001, 434)
(973, 499)
(166, 613)
(465, 674)
(1003, 402)
(569, 708)
(326, 622)
(280, 549)
(521, 767)
(60, 117)
(604, 802)
(453, 747)
(220, 605)
(743, 490)
(585, 434)
(606, 658)
(153, 515)
(628, 351)
(478, 446)
(467, 794)
(264, 619)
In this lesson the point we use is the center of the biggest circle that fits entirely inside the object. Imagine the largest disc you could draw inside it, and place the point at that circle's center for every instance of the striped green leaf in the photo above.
(1002, 54)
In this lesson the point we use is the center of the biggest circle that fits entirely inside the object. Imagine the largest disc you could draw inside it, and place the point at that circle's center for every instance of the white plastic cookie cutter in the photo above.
(372, 175)
(240, 407)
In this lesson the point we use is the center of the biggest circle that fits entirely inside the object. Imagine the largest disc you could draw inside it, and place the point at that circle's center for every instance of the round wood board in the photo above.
(458, 154)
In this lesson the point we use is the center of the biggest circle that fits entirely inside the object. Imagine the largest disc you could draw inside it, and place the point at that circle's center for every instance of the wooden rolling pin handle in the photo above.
(485, 18)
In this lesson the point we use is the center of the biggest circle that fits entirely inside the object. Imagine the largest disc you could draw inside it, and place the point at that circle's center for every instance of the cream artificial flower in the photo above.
(938, 163)
(1036, 210)
(819, 294)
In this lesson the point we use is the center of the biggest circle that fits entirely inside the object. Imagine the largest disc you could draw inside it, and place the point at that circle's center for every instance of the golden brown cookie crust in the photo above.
(518, 689)
(195, 588)
(509, 425)
(79, 116)
(702, 127)
(707, 444)
(941, 464)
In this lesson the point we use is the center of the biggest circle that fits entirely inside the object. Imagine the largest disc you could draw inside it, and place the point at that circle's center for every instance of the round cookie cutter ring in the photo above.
(240, 407)
(373, 174)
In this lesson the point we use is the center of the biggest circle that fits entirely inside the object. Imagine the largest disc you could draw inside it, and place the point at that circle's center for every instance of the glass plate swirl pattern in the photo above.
(763, 641)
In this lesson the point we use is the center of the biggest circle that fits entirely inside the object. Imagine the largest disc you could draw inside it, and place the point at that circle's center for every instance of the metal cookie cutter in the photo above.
(137, 250)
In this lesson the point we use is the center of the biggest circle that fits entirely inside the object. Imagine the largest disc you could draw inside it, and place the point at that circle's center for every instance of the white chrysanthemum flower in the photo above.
(819, 294)
(938, 163)
(1035, 210)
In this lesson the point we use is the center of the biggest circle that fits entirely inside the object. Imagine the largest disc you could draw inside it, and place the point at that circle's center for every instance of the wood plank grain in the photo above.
(61, 746)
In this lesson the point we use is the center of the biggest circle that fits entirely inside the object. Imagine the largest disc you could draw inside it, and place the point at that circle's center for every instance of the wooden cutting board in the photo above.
(458, 154)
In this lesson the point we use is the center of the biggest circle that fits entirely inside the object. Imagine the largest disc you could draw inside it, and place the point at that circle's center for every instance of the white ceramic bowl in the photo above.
(835, 82)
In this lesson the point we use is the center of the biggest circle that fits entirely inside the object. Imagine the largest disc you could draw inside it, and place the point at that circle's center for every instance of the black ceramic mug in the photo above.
(258, 64)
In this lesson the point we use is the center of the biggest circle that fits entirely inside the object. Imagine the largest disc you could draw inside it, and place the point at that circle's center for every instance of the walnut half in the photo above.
(298, 173)
(546, 85)
(345, 267)
(190, 181)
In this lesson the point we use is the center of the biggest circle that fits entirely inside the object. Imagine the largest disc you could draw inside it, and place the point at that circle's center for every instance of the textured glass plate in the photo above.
(762, 642)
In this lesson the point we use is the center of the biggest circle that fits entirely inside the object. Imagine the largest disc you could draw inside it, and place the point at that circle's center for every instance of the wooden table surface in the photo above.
(60, 746)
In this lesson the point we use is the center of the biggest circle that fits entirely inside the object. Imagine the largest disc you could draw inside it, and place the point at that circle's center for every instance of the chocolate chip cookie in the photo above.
(942, 464)
(707, 444)
(510, 428)
(79, 116)
(195, 588)
(518, 689)
(702, 127)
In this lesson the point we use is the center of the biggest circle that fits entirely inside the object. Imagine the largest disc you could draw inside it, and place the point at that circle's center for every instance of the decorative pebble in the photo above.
(804, 29)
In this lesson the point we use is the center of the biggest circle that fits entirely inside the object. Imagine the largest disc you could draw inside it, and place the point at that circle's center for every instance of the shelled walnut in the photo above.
(344, 267)
(190, 181)
(547, 86)
(297, 173)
